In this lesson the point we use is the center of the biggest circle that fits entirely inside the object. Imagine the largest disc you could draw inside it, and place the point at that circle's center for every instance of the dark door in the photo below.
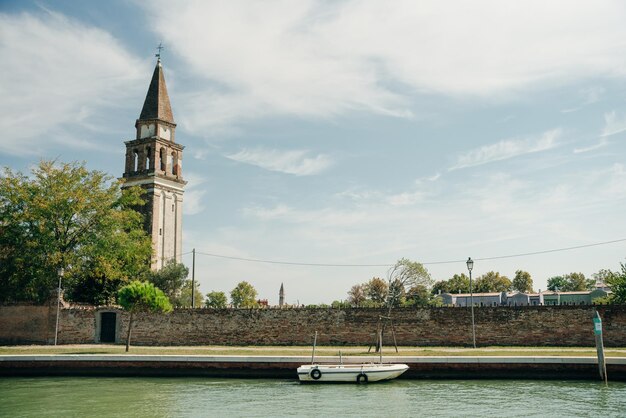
(107, 327)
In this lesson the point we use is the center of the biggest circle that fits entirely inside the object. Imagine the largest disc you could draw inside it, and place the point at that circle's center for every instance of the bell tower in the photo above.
(154, 162)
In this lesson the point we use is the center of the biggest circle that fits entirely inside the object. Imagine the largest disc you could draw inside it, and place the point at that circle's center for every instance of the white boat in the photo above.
(359, 373)
(354, 372)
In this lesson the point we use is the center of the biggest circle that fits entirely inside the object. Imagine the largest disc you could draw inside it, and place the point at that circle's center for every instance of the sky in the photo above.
(336, 137)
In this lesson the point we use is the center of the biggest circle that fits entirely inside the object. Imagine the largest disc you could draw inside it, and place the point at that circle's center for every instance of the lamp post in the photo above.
(56, 328)
(470, 266)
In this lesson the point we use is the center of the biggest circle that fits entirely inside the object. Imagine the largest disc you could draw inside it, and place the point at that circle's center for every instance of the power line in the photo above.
(290, 263)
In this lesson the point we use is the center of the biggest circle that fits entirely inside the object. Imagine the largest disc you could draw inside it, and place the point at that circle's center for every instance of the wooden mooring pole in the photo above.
(597, 330)
(314, 344)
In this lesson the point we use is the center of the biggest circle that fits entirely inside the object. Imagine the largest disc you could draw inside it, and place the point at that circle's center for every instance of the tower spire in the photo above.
(157, 103)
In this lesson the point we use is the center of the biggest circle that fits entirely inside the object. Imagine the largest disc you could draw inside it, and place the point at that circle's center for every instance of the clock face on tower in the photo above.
(166, 133)
(147, 131)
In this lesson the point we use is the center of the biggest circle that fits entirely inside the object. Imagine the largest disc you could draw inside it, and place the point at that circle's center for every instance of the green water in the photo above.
(197, 397)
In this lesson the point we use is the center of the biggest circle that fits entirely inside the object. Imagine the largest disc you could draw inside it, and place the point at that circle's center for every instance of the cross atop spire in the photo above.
(158, 54)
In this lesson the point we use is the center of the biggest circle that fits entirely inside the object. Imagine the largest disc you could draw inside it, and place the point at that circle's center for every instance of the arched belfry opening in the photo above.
(153, 162)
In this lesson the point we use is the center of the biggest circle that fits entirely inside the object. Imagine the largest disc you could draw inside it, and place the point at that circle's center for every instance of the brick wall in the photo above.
(527, 325)
(26, 324)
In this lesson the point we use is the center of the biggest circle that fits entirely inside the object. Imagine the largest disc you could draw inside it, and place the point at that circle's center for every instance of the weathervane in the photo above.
(158, 54)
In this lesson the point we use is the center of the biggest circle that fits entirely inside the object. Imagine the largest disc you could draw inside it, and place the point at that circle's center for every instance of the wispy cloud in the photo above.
(506, 149)
(613, 124)
(57, 72)
(601, 142)
(296, 162)
(323, 59)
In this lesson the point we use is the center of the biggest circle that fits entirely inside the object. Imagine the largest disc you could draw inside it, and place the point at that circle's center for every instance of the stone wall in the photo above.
(26, 324)
(516, 326)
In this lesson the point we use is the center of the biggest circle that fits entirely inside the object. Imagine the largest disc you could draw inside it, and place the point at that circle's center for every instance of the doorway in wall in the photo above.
(107, 327)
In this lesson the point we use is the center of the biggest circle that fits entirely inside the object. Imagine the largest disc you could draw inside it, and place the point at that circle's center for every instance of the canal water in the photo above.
(210, 397)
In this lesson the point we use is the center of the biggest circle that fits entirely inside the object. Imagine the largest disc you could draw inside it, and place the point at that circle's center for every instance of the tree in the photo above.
(397, 294)
(557, 283)
(138, 297)
(522, 282)
(571, 282)
(171, 280)
(216, 300)
(356, 295)
(617, 282)
(184, 298)
(243, 295)
(64, 215)
(492, 282)
(417, 295)
(578, 282)
(602, 276)
(459, 283)
(403, 275)
(376, 290)
(340, 304)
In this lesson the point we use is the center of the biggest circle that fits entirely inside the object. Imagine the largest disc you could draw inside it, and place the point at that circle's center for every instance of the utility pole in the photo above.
(193, 279)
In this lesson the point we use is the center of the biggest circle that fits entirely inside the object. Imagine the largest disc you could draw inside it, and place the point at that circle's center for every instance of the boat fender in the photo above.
(361, 377)
(316, 374)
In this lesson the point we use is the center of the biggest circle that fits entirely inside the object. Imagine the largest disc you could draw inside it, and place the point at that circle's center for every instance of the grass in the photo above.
(306, 351)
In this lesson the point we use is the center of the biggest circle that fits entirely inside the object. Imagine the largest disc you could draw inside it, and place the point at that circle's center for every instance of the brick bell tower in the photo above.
(154, 162)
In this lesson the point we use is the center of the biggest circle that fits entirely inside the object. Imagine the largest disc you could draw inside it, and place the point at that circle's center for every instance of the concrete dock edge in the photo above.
(284, 367)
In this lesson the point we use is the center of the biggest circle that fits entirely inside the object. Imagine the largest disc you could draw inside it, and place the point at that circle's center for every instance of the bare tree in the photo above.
(402, 276)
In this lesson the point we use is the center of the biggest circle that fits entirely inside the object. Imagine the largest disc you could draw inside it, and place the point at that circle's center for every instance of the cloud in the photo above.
(601, 142)
(323, 59)
(193, 202)
(291, 162)
(613, 124)
(194, 196)
(506, 149)
(60, 80)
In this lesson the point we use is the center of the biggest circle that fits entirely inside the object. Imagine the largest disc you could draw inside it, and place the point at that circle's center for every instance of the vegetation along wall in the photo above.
(521, 326)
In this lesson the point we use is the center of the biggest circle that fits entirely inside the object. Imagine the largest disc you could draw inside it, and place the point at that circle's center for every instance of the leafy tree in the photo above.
(617, 282)
(243, 295)
(417, 295)
(184, 298)
(578, 282)
(356, 295)
(171, 280)
(440, 286)
(459, 283)
(558, 283)
(64, 215)
(570, 283)
(436, 301)
(138, 297)
(216, 300)
(368, 303)
(338, 304)
(376, 290)
(522, 282)
(602, 276)
(492, 282)
(397, 294)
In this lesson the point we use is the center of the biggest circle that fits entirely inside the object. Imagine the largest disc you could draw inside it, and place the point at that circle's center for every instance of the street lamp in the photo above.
(470, 266)
(56, 328)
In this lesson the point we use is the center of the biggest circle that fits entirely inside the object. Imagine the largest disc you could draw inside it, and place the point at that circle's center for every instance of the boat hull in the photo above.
(354, 373)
